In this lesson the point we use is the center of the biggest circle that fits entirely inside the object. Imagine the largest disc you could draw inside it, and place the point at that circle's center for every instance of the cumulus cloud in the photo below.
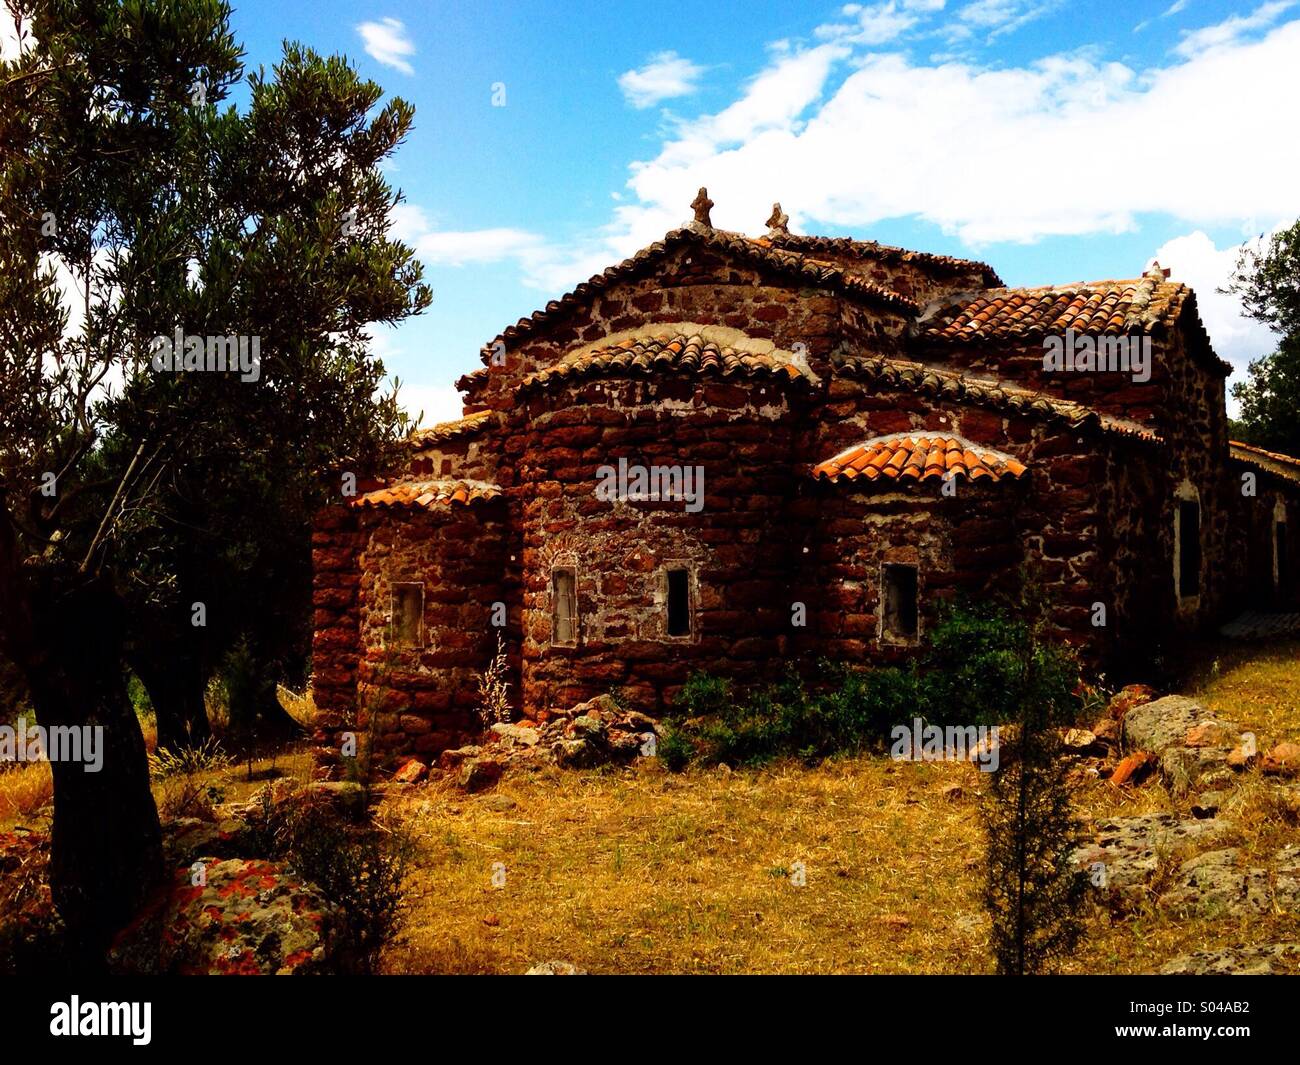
(666, 76)
(387, 42)
(1068, 145)
(1195, 260)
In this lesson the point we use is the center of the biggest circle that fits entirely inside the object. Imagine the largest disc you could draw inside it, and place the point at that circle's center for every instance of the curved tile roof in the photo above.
(673, 353)
(466, 426)
(428, 494)
(1099, 308)
(959, 388)
(918, 457)
(1285, 466)
(799, 267)
(869, 250)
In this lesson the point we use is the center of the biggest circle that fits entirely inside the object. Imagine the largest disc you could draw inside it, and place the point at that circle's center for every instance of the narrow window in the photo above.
(679, 602)
(408, 615)
(900, 601)
(1189, 548)
(564, 606)
(1279, 551)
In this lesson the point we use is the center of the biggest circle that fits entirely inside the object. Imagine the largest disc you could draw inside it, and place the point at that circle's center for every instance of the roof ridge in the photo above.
(817, 272)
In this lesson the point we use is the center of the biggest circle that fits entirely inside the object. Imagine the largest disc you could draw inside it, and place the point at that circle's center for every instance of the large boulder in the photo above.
(1126, 852)
(242, 917)
(1165, 723)
(1215, 883)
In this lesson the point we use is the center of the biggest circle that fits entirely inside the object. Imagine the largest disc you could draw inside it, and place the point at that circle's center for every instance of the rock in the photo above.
(186, 838)
(574, 754)
(516, 734)
(347, 796)
(1130, 849)
(1126, 698)
(1286, 878)
(1184, 769)
(604, 705)
(1282, 760)
(1214, 883)
(556, 968)
(1271, 959)
(586, 727)
(479, 773)
(1210, 734)
(249, 917)
(501, 803)
(1107, 733)
(1209, 803)
(1081, 741)
(451, 759)
(1238, 759)
(412, 772)
(1133, 769)
(1163, 723)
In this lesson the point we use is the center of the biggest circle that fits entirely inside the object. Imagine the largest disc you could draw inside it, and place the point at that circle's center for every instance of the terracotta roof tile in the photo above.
(868, 250)
(1285, 466)
(799, 267)
(917, 457)
(1109, 308)
(672, 353)
(960, 388)
(466, 426)
(428, 494)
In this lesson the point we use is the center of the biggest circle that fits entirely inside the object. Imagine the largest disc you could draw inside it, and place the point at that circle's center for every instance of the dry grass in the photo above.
(640, 871)
(643, 871)
(24, 789)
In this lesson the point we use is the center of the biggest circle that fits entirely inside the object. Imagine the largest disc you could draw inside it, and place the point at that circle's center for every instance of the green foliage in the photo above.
(967, 675)
(360, 870)
(1267, 279)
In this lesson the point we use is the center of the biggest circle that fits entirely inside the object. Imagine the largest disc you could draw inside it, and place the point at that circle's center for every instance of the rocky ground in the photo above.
(1181, 862)
(597, 732)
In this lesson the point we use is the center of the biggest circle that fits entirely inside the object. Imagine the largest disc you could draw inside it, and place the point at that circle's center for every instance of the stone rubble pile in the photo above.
(597, 732)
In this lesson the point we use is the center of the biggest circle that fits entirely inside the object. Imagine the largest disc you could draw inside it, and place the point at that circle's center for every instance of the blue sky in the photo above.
(1056, 140)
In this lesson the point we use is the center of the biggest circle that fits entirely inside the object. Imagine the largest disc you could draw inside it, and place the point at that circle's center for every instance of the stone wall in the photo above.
(736, 548)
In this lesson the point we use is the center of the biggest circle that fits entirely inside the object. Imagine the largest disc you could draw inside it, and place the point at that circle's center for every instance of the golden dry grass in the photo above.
(641, 871)
(24, 789)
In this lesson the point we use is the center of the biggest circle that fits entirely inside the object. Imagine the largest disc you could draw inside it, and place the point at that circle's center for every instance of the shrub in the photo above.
(969, 673)
(360, 870)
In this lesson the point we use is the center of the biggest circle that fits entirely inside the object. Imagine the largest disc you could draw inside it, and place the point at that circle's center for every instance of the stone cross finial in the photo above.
(780, 221)
(701, 205)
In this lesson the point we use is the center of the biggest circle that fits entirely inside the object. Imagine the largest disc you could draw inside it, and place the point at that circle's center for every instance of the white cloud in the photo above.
(666, 76)
(387, 42)
(1194, 260)
(997, 17)
(1232, 29)
(1174, 8)
(463, 247)
(876, 23)
(1069, 145)
(437, 403)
